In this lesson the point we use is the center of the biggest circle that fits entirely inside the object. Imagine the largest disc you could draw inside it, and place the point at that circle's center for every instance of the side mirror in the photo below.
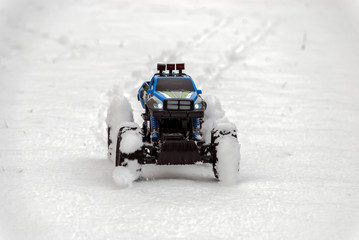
(150, 91)
(199, 91)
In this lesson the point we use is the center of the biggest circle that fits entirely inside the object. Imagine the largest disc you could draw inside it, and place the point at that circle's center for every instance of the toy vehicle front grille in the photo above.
(178, 104)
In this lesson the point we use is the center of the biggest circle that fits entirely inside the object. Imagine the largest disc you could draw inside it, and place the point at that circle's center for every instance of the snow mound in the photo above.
(122, 177)
(131, 137)
(228, 154)
(125, 176)
(119, 112)
(224, 129)
(214, 113)
(225, 126)
(228, 149)
(214, 108)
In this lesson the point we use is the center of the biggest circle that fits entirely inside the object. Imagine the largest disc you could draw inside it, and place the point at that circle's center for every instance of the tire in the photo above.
(109, 141)
(227, 153)
(146, 132)
(127, 155)
(119, 112)
(119, 160)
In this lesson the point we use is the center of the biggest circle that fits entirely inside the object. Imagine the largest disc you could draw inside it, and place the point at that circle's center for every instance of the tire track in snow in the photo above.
(184, 47)
(234, 54)
(180, 49)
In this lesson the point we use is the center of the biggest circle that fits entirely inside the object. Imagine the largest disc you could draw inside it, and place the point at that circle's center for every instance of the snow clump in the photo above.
(228, 154)
(228, 149)
(131, 140)
(120, 111)
(214, 113)
(125, 176)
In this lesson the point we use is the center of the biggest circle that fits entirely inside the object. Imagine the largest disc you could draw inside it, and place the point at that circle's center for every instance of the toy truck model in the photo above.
(171, 133)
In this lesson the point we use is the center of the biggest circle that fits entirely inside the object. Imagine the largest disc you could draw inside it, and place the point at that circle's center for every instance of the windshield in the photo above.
(174, 84)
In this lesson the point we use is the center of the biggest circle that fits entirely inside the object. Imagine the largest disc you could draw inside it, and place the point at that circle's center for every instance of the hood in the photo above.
(162, 95)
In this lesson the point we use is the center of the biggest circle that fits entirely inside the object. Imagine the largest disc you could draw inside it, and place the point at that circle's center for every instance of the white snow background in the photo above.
(286, 72)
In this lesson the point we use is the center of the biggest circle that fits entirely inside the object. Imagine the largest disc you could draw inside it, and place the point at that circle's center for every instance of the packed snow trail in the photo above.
(286, 72)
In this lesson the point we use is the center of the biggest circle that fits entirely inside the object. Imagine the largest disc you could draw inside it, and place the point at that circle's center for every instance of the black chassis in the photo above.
(175, 146)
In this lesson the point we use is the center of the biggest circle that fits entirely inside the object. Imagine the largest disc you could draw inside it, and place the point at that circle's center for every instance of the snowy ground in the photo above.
(287, 72)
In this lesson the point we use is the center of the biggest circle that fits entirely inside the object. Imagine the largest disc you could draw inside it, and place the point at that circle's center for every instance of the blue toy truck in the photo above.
(172, 123)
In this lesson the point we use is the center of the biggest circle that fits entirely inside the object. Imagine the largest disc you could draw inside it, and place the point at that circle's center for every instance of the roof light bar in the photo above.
(170, 67)
(180, 67)
(161, 67)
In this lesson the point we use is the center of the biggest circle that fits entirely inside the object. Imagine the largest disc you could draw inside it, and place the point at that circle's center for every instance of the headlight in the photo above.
(158, 105)
(198, 106)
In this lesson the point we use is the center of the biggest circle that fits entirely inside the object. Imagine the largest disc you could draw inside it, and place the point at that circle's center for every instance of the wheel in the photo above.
(119, 111)
(227, 152)
(146, 132)
(119, 156)
(109, 141)
(129, 148)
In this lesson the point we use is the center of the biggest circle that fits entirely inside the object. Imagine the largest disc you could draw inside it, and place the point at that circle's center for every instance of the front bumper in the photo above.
(177, 114)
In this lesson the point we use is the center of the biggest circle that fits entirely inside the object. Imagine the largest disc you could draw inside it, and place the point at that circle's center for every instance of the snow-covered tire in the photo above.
(119, 111)
(109, 141)
(129, 148)
(110, 145)
(227, 152)
(146, 133)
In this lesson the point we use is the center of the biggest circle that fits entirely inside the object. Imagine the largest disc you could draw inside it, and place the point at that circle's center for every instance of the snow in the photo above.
(286, 73)
(228, 151)
(124, 176)
(213, 114)
(120, 111)
(131, 139)
(228, 154)
(119, 114)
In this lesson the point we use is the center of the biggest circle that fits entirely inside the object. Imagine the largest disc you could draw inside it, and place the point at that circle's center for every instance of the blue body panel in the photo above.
(159, 95)
(139, 94)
